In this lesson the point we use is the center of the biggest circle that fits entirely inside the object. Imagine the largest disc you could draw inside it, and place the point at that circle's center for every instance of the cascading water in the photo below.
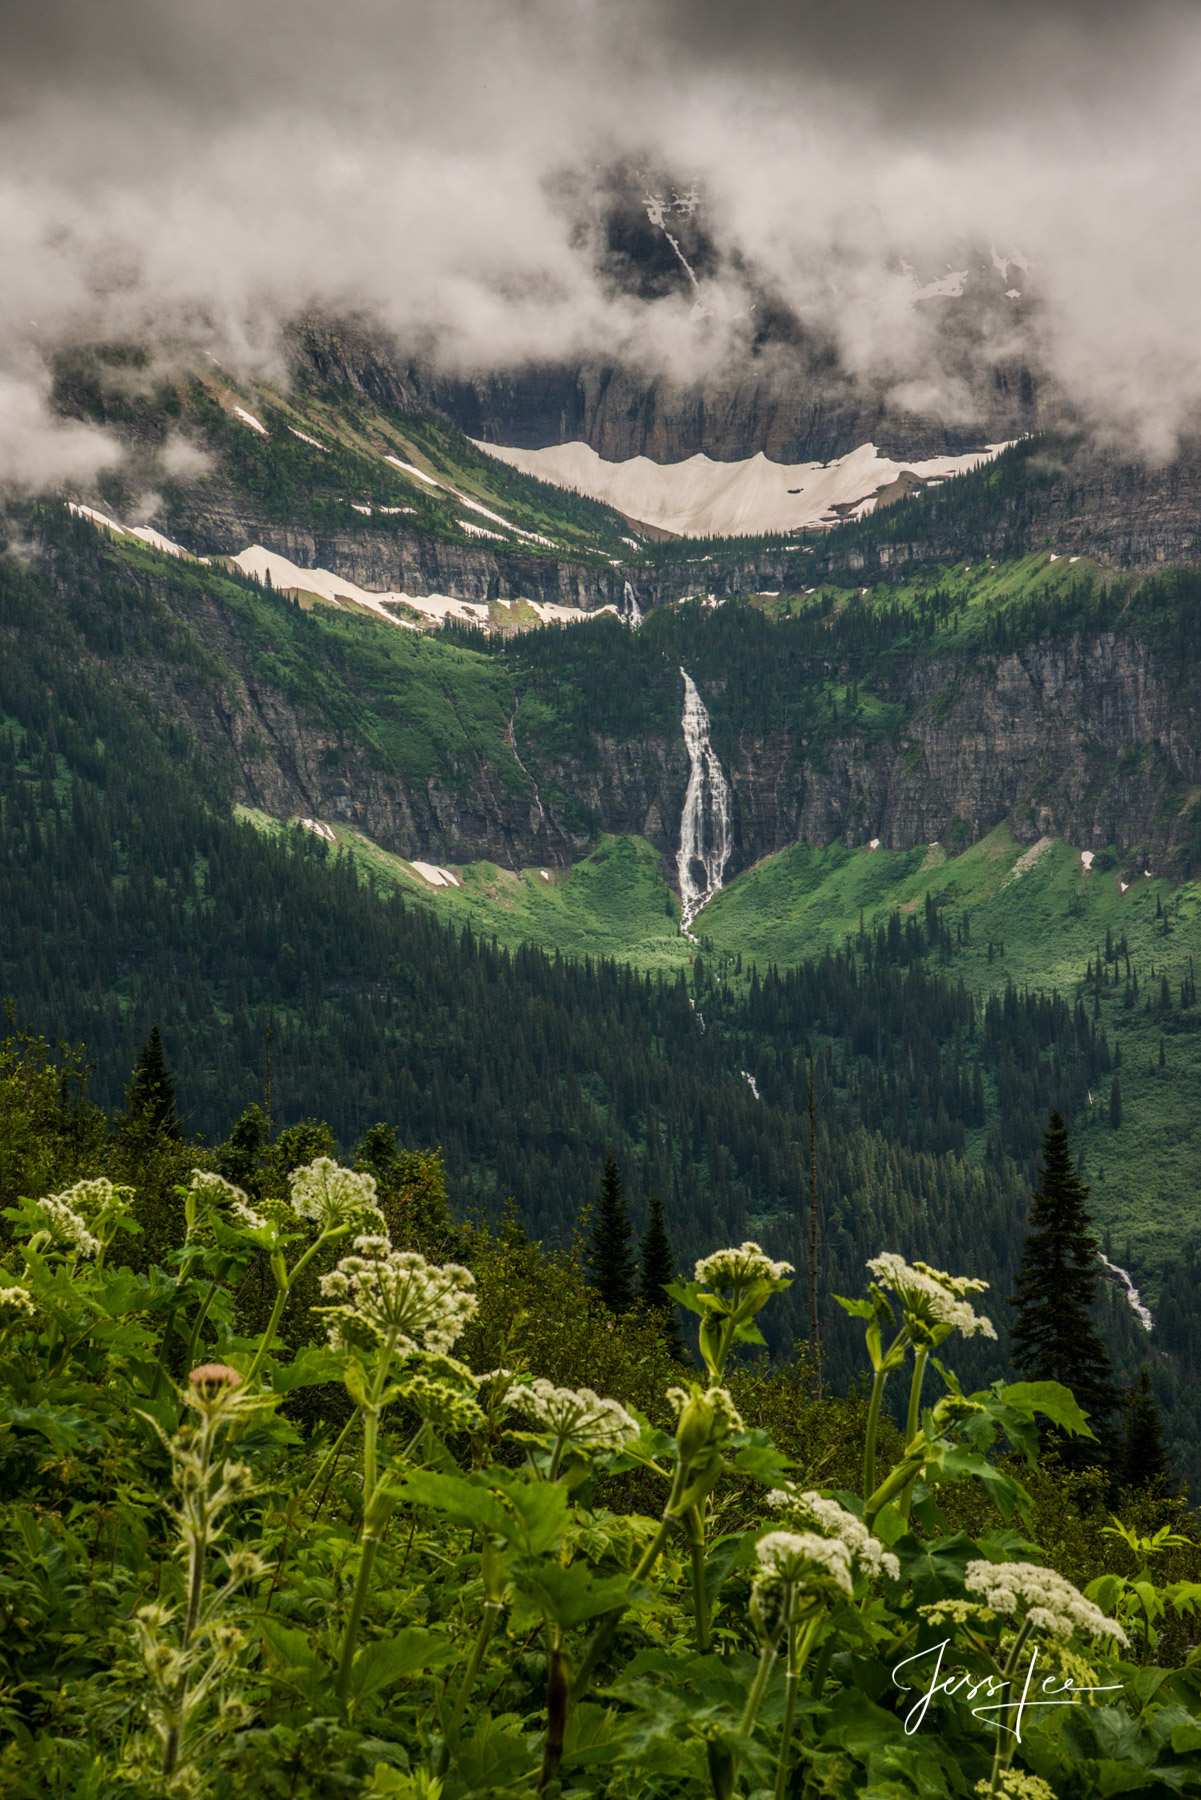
(630, 610)
(705, 823)
(1141, 1312)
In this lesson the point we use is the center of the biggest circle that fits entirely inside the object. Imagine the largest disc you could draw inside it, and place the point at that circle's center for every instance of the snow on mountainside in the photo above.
(751, 498)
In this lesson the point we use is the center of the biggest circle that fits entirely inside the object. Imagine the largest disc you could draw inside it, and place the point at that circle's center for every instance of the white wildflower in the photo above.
(805, 1560)
(333, 1197)
(1016, 1784)
(1046, 1598)
(97, 1201)
(210, 1196)
(16, 1305)
(704, 1416)
(837, 1522)
(579, 1414)
(382, 1295)
(63, 1225)
(739, 1268)
(933, 1300)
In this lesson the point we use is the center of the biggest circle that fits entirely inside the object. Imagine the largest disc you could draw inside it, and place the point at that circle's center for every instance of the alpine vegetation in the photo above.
(323, 1544)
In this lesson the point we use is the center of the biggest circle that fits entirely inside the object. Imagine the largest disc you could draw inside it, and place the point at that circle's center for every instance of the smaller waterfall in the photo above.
(1141, 1312)
(706, 821)
(630, 609)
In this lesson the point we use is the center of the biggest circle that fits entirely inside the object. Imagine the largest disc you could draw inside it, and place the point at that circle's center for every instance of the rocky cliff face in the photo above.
(400, 561)
(785, 396)
(1090, 738)
(1087, 739)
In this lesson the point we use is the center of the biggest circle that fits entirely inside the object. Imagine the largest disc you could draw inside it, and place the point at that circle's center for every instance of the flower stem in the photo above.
(694, 1526)
(911, 1424)
(767, 1657)
(492, 1610)
(1003, 1754)
(873, 1426)
(198, 1536)
(359, 1600)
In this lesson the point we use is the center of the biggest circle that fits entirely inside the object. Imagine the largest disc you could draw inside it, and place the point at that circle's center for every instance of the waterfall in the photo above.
(1140, 1312)
(631, 611)
(706, 819)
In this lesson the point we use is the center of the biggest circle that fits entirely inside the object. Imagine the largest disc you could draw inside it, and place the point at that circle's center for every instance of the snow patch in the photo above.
(874, 844)
(753, 497)
(248, 418)
(1028, 859)
(365, 510)
(479, 531)
(545, 874)
(437, 609)
(306, 439)
(319, 829)
(1086, 857)
(146, 533)
(437, 877)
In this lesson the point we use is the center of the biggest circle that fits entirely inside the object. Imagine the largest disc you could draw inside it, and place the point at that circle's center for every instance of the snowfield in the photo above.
(290, 578)
(752, 498)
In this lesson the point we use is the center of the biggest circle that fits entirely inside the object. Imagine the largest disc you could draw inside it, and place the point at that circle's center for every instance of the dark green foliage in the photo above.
(1142, 1456)
(1053, 1337)
(611, 1261)
(150, 1105)
(1115, 1101)
(658, 1269)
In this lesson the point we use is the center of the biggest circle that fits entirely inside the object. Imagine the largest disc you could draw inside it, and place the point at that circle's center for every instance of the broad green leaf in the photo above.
(1050, 1398)
(387, 1660)
(299, 1665)
(568, 1595)
(316, 1363)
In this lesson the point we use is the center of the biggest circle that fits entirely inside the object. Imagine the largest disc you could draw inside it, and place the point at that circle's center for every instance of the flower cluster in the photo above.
(577, 1413)
(16, 1305)
(1045, 1598)
(704, 1417)
(932, 1300)
(383, 1296)
(739, 1268)
(803, 1559)
(441, 1404)
(210, 1196)
(333, 1198)
(837, 1523)
(1015, 1784)
(64, 1227)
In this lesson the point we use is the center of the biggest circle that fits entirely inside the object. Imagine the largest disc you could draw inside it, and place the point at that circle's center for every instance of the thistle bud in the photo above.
(211, 1380)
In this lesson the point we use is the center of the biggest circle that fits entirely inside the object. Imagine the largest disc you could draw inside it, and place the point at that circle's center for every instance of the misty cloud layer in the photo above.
(196, 173)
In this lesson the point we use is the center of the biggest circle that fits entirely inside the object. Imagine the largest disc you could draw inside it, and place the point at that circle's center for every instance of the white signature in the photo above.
(969, 1687)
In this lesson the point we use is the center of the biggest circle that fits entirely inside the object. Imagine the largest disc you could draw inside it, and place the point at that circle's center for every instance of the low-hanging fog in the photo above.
(195, 174)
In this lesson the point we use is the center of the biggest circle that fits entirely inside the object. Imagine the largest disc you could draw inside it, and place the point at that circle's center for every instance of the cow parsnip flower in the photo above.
(726, 1269)
(578, 1415)
(17, 1305)
(441, 1404)
(803, 1559)
(384, 1296)
(704, 1417)
(64, 1227)
(1016, 1784)
(836, 1522)
(210, 1196)
(332, 1197)
(1047, 1599)
(931, 1299)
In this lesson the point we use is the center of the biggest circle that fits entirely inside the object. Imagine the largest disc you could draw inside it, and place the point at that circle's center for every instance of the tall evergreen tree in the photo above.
(659, 1268)
(1142, 1457)
(611, 1265)
(1054, 1338)
(151, 1099)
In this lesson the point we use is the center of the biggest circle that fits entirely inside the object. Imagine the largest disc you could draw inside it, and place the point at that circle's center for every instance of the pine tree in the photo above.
(1142, 1458)
(658, 1268)
(1054, 1338)
(611, 1265)
(150, 1101)
(1115, 1105)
